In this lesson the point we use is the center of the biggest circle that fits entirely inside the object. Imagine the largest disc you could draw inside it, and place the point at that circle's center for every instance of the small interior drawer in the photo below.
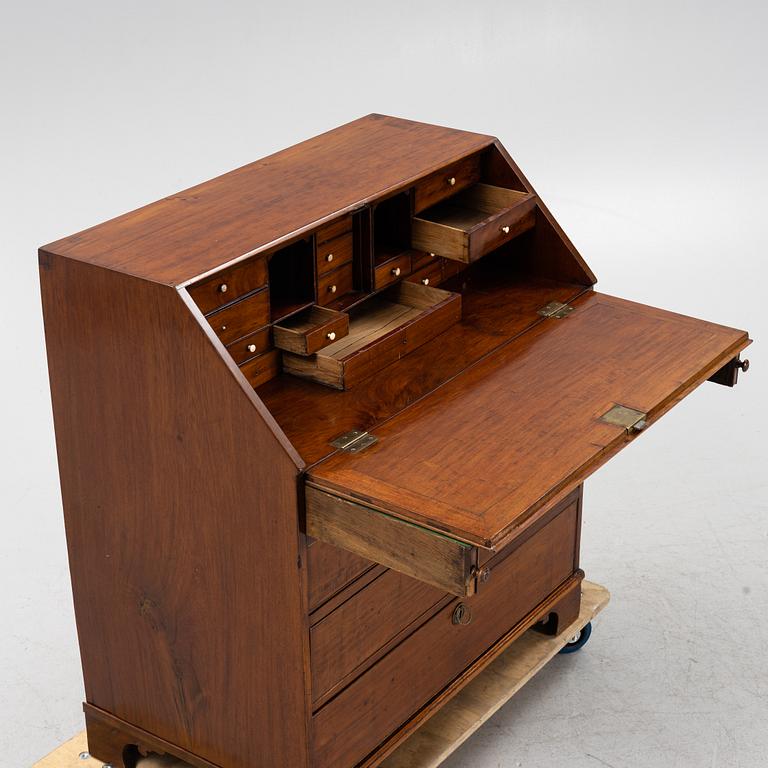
(334, 228)
(473, 222)
(249, 346)
(310, 330)
(446, 182)
(381, 330)
(262, 368)
(237, 320)
(420, 259)
(431, 274)
(333, 285)
(334, 253)
(391, 270)
(228, 285)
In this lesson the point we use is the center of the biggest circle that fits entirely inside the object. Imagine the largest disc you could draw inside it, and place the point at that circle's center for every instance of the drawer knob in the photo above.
(425, 281)
(331, 289)
(329, 257)
(432, 255)
(331, 336)
(223, 288)
(452, 181)
(505, 229)
(743, 365)
(396, 271)
(251, 347)
(462, 614)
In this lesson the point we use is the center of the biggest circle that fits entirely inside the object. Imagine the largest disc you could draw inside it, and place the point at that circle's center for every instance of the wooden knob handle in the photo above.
(425, 281)
(331, 289)
(396, 271)
(329, 257)
(251, 347)
(505, 229)
(452, 181)
(331, 336)
(223, 288)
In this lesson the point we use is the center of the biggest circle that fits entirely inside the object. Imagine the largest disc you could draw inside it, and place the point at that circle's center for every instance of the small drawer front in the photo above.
(330, 569)
(237, 320)
(359, 718)
(249, 346)
(333, 285)
(446, 182)
(311, 330)
(228, 285)
(431, 274)
(391, 271)
(334, 228)
(503, 228)
(421, 259)
(344, 641)
(451, 267)
(334, 253)
(262, 368)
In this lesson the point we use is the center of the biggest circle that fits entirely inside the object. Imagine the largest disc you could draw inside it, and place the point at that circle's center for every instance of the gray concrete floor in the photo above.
(642, 126)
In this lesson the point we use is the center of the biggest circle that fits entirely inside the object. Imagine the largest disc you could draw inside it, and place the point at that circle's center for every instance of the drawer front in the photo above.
(227, 286)
(501, 229)
(333, 285)
(346, 639)
(262, 368)
(451, 267)
(334, 228)
(334, 253)
(240, 319)
(391, 271)
(446, 182)
(431, 274)
(421, 259)
(330, 569)
(365, 713)
(249, 346)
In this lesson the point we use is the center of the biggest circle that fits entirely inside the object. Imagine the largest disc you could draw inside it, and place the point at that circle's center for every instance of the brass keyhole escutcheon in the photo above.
(462, 614)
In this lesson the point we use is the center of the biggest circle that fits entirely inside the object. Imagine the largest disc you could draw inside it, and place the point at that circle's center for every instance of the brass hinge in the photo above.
(555, 309)
(354, 441)
(629, 418)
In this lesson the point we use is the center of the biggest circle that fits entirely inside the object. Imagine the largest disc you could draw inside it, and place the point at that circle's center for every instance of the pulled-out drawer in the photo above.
(228, 285)
(474, 222)
(310, 330)
(382, 329)
(376, 704)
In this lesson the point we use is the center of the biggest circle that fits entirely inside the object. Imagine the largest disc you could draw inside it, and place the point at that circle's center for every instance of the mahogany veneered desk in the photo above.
(322, 426)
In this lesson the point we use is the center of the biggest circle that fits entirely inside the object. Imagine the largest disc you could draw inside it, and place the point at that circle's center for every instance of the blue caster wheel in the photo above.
(578, 641)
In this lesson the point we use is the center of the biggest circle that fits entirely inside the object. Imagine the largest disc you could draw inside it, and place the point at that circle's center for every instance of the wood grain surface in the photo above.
(477, 457)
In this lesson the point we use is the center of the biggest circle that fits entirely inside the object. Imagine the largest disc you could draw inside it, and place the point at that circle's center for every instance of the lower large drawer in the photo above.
(365, 713)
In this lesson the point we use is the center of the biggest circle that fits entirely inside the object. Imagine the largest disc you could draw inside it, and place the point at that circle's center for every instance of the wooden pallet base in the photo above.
(447, 730)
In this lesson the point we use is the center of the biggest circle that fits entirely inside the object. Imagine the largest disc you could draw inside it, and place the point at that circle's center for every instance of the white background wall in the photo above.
(643, 126)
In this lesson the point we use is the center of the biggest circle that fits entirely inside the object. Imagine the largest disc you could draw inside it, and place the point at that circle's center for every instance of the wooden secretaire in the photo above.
(322, 426)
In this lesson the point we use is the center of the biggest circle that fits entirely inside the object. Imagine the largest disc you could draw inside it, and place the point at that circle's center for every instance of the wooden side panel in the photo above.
(181, 516)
